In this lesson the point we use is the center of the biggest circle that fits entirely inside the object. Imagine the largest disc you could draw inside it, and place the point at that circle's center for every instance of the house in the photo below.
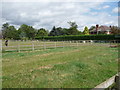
(103, 29)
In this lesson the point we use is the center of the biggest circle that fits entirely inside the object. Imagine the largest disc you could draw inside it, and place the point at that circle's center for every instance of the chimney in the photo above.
(110, 26)
(97, 27)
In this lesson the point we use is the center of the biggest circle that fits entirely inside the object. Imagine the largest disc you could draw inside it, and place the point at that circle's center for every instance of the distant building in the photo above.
(103, 29)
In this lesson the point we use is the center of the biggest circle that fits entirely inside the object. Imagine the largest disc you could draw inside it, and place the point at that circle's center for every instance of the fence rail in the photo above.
(106, 84)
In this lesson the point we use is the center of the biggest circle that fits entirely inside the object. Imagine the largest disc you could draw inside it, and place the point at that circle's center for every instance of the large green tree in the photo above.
(42, 32)
(13, 33)
(9, 32)
(26, 31)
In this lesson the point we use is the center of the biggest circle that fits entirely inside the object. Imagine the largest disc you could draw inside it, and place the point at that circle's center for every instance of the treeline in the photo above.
(25, 32)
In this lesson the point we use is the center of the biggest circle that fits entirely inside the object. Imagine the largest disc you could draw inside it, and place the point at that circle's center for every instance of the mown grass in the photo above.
(69, 67)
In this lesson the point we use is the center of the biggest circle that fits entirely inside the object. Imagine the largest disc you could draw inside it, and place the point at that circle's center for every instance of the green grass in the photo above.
(70, 67)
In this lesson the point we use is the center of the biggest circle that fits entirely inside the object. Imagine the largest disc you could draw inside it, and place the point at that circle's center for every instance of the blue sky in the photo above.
(49, 14)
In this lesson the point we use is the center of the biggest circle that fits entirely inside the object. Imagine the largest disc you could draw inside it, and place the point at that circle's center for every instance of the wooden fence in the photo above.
(38, 45)
(112, 83)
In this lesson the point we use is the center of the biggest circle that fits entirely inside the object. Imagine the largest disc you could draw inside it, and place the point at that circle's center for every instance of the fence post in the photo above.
(77, 43)
(63, 44)
(55, 45)
(33, 47)
(70, 43)
(83, 41)
(44, 46)
(18, 48)
(117, 83)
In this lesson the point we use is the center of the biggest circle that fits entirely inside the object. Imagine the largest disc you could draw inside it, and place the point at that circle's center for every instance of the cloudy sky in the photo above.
(49, 14)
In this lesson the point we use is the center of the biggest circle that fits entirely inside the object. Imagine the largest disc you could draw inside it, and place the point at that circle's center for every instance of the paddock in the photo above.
(61, 64)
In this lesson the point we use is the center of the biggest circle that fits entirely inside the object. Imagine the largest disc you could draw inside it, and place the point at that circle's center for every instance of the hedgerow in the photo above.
(78, 37)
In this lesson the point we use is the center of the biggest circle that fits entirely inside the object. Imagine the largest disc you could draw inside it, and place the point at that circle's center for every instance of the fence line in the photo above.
(54, 44)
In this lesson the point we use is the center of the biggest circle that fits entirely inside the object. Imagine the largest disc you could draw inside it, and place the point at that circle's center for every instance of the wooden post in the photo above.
(70, 43)
(33, 47)
(55, 45)
(63, 44)
(110, 43)
(83, 41)
(44, 46)
(117, 83)
(77, 43)
(18, 48)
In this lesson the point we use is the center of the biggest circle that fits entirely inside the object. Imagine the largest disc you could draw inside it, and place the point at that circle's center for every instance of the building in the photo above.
(103, 29)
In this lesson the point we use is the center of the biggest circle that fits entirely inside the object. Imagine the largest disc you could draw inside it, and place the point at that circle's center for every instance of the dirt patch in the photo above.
(45, 67)
(64, 75)
(47, 54)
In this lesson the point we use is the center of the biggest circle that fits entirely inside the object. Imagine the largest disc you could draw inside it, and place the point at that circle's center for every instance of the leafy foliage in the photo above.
(26, 31)
(73, 29)
(86, 31)
(41, 33)
(9, 32)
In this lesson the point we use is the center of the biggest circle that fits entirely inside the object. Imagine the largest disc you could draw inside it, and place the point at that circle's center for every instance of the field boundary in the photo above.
(53, 44)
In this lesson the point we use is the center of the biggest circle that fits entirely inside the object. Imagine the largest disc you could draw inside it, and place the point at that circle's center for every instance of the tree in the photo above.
(42, 32)
(30, 32)
(4, 30)
(59, 31)
(56, 31)
(53, 32)
(65, 31)
(73, 24)
(9, 32)
(86, 31)
(92, 28)
(73, 28)
(26, 31)
(115, 30)
(12, 33)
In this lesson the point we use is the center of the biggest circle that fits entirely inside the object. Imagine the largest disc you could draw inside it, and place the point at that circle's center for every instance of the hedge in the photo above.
(78, 37)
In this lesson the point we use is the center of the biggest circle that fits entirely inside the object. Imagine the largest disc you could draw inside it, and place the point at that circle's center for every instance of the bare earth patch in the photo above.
(45, 67)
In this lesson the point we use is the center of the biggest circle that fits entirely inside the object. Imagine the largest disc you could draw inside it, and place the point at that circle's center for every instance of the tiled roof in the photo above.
(104, 28)
(101, 28)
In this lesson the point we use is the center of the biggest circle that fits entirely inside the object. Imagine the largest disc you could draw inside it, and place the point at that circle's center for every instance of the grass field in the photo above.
(84, 66)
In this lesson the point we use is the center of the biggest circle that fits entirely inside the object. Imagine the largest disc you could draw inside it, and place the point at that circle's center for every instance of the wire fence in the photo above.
(38, 45)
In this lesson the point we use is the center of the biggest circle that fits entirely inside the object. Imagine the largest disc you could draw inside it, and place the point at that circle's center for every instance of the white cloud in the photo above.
(116, 10)
(106, 6)
(47, 15)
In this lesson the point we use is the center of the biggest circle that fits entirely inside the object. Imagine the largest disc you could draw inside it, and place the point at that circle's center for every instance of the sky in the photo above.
(53, 13)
